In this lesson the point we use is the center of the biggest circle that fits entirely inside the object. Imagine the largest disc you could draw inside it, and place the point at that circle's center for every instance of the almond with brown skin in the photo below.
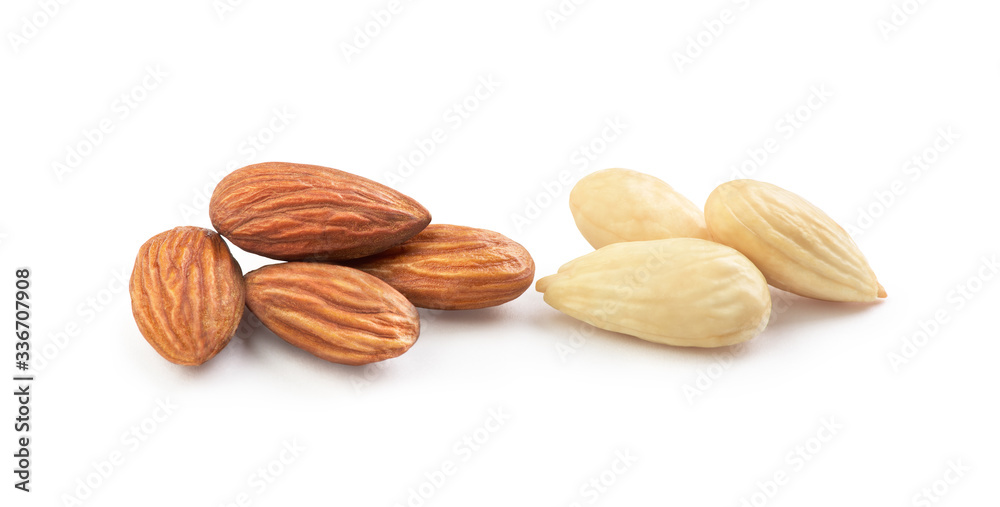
(333, 312)
(187, 294)
(451, 267)
(305, 212)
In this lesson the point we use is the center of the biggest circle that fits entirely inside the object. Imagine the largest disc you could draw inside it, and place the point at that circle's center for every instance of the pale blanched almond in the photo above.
(618, 205)
(687, 292)
(795, 244)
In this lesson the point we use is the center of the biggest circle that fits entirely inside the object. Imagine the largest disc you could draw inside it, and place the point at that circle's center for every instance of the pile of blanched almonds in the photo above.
(665, 272)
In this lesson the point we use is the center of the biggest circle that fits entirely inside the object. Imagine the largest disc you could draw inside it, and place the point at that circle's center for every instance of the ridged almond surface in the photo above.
(618, 205)
(336, 313)
(686, 292)
(797, 246)
(187, 294)
(451, 267)
(305, 212)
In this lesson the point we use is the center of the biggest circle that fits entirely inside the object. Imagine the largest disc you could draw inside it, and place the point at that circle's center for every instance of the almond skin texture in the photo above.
(685, 292)
(333, 312)
(187, 294)
(305, 212)
(450, 267)
(799, 248)
(618, 205)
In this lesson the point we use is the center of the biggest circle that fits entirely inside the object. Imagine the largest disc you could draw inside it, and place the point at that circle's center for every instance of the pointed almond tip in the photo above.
(543, 283)
(881, 292)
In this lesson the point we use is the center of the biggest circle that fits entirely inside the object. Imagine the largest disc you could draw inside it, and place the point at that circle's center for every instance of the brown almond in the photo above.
(292, 212)
(451, 267)
(333, 312)
(187, 294)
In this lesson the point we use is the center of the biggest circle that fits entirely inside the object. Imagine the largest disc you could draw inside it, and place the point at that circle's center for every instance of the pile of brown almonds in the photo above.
(362, 258)
(667, 273)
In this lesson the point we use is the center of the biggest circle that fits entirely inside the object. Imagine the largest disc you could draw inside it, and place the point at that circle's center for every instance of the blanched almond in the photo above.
(687, 292)
(797, 246)
(618, 205)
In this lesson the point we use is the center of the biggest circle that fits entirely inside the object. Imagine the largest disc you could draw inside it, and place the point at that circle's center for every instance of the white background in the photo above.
(369, 436)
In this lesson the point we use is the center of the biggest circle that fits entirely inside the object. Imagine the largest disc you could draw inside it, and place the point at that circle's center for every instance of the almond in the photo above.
(617, 205)
(305, 212)
(451, 267)
(333, 312)
(687, 292)
(187, 294)
(797, 246)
